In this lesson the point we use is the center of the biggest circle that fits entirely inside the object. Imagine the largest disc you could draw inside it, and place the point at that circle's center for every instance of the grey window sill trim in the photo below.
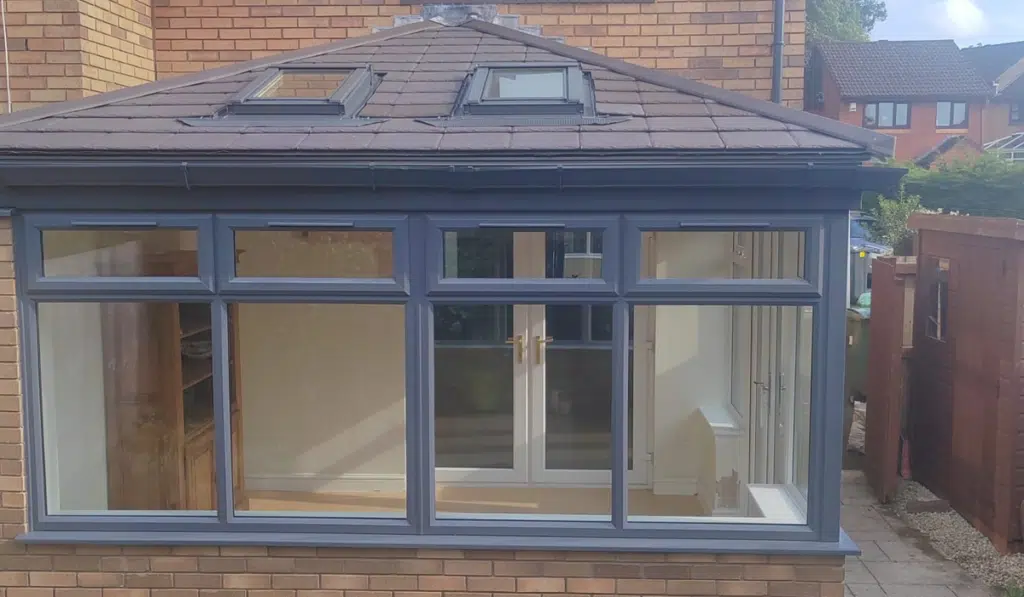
(844, 547)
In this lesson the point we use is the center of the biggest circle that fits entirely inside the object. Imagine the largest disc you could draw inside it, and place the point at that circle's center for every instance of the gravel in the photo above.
(953, 537)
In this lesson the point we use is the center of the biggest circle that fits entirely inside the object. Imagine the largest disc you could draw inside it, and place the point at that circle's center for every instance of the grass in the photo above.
(1014, 591)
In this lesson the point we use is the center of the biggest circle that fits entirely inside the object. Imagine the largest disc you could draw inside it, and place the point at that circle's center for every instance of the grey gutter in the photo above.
(778, 45)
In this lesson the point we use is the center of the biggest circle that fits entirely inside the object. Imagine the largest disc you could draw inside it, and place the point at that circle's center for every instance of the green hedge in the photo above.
(987, 186)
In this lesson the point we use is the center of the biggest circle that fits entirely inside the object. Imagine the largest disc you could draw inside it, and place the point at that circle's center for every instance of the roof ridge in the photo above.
(207, 76)
(875, 142)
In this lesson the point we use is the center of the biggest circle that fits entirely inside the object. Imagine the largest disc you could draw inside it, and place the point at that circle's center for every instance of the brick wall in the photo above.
(66, 49)
(725, 43)
(112, 571)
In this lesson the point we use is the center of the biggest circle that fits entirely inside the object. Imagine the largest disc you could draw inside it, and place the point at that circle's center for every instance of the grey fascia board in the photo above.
(843, 547)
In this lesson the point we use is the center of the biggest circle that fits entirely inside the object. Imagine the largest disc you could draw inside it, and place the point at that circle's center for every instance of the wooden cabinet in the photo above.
(160, 432)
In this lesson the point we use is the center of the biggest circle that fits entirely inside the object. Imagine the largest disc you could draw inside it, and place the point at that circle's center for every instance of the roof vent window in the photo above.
(526, 90)
(306, 91)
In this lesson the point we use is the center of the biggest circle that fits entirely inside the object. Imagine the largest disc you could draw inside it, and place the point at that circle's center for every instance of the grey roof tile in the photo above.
(406, 141)
(993, 60)
(347, 141)
(757, 139)
(480, 141)
(716, 109)
(269, 140)
(619, 109)
(675, 109)
(902, 70)
(614, 140)
(697, 140)
(527, 140)
(809, 139)
(747, 123)
(219, 141)
(681, 123)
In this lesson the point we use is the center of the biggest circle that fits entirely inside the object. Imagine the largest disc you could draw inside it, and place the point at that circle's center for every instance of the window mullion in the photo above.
(620, 415)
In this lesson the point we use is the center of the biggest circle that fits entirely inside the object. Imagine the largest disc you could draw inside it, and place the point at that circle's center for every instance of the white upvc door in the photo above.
(561, 431)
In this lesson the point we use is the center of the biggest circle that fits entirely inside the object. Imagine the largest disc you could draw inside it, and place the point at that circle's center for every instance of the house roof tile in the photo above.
(424, 66)
(902, 70)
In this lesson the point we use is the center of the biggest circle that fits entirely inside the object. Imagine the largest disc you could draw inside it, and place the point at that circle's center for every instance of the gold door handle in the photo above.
(519, 346)
(539, 346)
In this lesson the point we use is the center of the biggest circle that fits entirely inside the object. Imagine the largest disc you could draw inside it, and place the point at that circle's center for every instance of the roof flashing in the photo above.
(526, 89)
(302, 90)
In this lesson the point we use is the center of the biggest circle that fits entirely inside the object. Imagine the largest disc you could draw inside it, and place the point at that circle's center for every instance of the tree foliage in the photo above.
(984, 186)
(843, 20)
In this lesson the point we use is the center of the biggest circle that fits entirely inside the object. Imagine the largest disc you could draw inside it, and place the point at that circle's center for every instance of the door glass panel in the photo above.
(736, 255)
(709, 459)
(577, 365)
(473, 386)
(314, 253)
(107, 252)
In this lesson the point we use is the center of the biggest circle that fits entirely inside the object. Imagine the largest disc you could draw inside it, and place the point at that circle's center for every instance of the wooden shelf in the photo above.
(194, 371)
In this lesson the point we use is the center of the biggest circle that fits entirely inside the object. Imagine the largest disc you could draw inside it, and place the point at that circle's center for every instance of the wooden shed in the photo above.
(966, 421)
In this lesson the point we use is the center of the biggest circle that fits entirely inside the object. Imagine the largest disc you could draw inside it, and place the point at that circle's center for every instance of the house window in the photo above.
(951, 115)
(527, 90)
(886, 115)
(1017, 113)
(938, 324)
(593, 377)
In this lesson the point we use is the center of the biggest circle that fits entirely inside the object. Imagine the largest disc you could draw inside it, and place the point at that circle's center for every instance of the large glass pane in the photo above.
(297, 84)
(902, 114)
(322, 416)
(682, 254)
(525, 83)
(107, 252)
(886, 115)
(314, 253)
(709, 458)
(127, 406)
(474, 352)
(943, 114)
(959, 114)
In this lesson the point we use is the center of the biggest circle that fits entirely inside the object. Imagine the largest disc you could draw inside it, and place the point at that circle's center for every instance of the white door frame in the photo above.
(530, 396)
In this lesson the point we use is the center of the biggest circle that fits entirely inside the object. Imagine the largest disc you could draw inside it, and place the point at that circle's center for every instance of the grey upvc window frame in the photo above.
(35, 224)
(513, 288)
(577, 100)
(952, 110)
(780, 290)
(228, 280)
(345, 101)
(421, 527)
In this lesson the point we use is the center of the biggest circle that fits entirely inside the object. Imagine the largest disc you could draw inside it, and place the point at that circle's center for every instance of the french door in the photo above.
(523, 391)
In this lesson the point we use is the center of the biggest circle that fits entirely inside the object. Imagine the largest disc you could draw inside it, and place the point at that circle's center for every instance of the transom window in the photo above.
(305, 91)
(886, 115)
(604, 377)
(951, 115)
(520, 90)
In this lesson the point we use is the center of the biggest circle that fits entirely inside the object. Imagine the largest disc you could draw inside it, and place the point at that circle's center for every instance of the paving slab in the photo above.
(895, 561)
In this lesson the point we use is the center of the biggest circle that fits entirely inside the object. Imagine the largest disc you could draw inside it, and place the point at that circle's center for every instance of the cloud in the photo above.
(962, 18)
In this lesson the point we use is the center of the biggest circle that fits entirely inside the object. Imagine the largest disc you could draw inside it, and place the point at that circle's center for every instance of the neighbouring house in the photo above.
(921, 92)
(66, 49)
(445, 308)
(958, 148)
(1002, 67)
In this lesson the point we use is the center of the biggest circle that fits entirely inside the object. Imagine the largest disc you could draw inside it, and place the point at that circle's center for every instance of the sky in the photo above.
(969, 22)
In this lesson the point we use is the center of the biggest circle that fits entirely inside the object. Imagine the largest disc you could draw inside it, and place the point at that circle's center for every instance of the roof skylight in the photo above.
(527, 90)
(306, 91)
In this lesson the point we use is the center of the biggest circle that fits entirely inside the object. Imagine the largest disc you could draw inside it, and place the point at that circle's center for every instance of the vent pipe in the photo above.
(778, 45)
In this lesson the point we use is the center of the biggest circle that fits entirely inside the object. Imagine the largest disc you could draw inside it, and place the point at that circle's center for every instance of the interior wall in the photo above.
(72, 395)
(692, 358)
(323, 386)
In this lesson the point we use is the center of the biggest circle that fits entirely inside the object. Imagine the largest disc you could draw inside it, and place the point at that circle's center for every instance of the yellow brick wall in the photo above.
(68, 49)
(723, 42)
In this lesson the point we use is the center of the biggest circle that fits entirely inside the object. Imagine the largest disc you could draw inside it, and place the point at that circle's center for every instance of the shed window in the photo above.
(521, 90)
(938, 325)
(305, 91)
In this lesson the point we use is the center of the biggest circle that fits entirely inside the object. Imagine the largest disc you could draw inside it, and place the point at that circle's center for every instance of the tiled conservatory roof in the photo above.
(424, 67)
